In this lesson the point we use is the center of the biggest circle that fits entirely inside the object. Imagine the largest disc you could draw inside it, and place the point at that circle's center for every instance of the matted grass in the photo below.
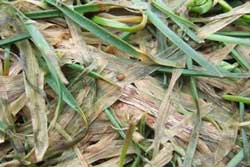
(124, 83)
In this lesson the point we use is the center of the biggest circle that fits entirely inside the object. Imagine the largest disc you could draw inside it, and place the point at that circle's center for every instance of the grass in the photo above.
(51, 13)
(54, 70)
(229, 39)
(49, 56)
(180, 43)
(126, 144)
(95, 29)
(188, 72)
(120, 26)
(241, 99)
(235, 54)
(6, 62)
(236, 159)
(16, 38)
(121, 117)
(198, 123)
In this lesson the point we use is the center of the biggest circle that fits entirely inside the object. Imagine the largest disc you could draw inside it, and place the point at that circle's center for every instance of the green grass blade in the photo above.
(91, 73)
(127, 142)
(235, 54)
(3, 127)
(44, 14)
(81, 68)
(67, 97)
(16, 38)
(6, 62)
(117, 125)
(188, 72)
(118, 25)
(195, 133)
(47, 54)
(229, 39)
(167, 11)
(47, 51)
(182, 22)
(113, 120)
(180, 43)
(142, 127)
(50, 13)
(136, 162)
(234, 33)
(236, 159)
(53, 66)
(232, 98)
(112, 23)
(200, 6)
(95, 29)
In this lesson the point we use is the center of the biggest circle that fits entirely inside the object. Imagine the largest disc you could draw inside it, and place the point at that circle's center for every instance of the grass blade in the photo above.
(47, 52)
(195, 133)
(3, 127)
(120, 26)
(127, 142)
(118, 126)
(95, 29)
(182, 22)
(66, 96)
(236, 98)
(16, 38)
(229, 39)
(234, 33)
(180, 43)
(188, 72)
(45, 14)
(6, 63)
(50, 58)
(236, 159)
(235, 54)
(52, 64)
(111, 117)
(166, 10)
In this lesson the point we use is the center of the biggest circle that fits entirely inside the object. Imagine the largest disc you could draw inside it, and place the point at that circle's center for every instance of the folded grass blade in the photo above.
(120, 26)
